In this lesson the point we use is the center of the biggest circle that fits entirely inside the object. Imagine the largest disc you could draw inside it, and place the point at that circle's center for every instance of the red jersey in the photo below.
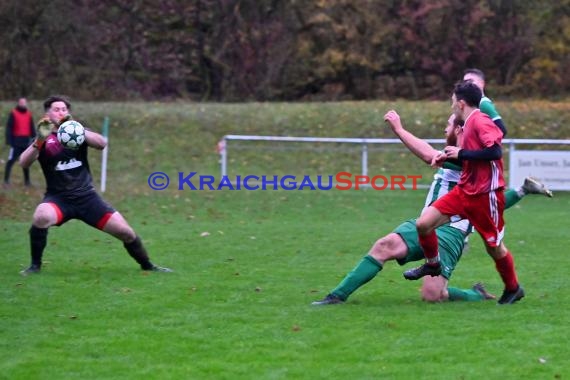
(23, 124)
(478, 176)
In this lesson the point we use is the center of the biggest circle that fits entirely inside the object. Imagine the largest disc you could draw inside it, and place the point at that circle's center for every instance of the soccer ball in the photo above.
(71, 134)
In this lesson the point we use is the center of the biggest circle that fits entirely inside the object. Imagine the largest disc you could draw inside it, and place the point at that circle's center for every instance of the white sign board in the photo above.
(551, 167)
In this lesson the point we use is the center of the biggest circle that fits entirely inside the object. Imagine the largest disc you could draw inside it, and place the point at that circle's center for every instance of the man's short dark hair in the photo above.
(468, 92)
(474, 71)
(56, 98)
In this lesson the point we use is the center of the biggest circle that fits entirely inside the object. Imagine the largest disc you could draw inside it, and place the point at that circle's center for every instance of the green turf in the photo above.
(238, 304)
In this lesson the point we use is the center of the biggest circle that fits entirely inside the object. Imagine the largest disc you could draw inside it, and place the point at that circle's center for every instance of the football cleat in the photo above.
(532, 185)
(423, 270)
(32, 269)
(155, 268)
(479, 288)
(330, 299)
(509, 297)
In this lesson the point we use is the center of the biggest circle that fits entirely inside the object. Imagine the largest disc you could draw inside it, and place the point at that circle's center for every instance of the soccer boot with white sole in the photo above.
(330, 299)
(32, 269)
(160, 269)
(532, 185)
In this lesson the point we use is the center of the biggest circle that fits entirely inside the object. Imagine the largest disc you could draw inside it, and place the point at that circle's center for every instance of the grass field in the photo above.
(238, 304)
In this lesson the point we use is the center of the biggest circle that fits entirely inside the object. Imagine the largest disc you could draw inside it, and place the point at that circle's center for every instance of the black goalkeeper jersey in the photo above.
(66, 171)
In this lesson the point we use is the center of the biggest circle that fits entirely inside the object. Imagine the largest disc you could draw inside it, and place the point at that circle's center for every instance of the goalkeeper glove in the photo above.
(64, 119)
(43, 129)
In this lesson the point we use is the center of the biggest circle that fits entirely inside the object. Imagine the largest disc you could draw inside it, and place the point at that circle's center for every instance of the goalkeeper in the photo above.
(70, 193)
(403, 246)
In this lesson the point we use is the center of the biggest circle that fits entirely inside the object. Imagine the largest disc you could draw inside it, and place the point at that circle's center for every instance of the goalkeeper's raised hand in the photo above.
(64, 119)
(44, 127)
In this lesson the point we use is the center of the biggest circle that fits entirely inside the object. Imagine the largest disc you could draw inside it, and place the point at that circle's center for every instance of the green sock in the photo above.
(511, 197)
(456, 294)
(363, 272)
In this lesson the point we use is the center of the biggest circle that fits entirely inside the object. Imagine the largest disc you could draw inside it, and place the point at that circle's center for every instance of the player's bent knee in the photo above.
(40, 220)
(423, 227)
(380, 249)
(432, 294)
(44, 216)
(384, 249)
(496, 252)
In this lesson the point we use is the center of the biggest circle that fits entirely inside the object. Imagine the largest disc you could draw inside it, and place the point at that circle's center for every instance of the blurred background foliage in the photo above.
(272, 50)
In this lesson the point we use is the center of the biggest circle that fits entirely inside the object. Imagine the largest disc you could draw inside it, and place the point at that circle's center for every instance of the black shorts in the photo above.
(89, 208)
(15, 152)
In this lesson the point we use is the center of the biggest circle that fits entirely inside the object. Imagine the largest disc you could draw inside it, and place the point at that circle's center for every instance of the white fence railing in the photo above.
(551, 167)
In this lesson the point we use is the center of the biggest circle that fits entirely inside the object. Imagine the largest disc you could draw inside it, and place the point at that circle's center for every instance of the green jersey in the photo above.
(487, 106)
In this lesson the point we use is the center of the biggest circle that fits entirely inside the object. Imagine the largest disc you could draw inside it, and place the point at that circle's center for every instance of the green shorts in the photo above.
(451, 242)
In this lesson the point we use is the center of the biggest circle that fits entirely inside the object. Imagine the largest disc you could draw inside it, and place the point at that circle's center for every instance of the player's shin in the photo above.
(363, 272)
(506, 268)
(38, 241)
(429, 245)
(138, 252)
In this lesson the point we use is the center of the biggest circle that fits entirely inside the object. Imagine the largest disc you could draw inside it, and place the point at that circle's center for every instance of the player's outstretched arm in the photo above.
(486, 154)
(43, 129)
(95, 140)
(417, 146)
(29, 155)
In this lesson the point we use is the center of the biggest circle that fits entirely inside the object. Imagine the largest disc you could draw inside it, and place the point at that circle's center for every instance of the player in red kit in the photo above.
(478, 196)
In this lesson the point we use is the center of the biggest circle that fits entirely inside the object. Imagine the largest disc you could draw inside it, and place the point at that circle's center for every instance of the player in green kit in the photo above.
(486, 105)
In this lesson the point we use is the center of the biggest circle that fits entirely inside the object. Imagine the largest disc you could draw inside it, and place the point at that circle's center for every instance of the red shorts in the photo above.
(484, 211)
